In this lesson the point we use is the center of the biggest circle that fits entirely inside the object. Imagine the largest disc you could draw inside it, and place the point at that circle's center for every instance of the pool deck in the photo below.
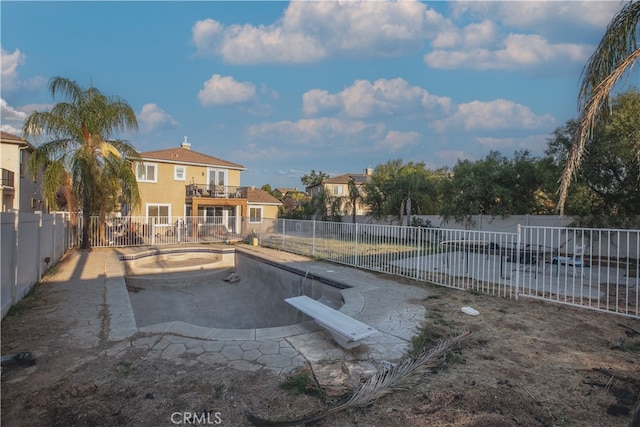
(97, 300)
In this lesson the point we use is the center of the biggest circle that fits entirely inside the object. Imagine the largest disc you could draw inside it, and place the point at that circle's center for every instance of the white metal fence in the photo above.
(141, 230)
(591, 268)
(30, 242)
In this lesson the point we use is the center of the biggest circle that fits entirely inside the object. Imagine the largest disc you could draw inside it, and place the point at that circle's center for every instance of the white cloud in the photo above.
(10, 63)
(476, 34)
(396, 140)
(518, 51)
(381, 98)
(494, 115)
(11, 118)
(536, 144)
(152, 117)
(537, 15)
(322, 132)
(10, 79)
(219, 90)
(312, 31)
(8, 113)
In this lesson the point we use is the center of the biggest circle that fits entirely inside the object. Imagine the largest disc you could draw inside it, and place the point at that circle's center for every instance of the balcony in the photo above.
(215, 191)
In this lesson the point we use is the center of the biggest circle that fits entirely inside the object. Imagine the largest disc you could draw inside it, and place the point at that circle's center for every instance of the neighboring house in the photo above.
(338, 186)
(182, 182)
(20, 189)
(281, 193)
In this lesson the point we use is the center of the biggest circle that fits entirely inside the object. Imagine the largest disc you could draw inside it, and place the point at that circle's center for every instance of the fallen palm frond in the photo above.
(402, 376)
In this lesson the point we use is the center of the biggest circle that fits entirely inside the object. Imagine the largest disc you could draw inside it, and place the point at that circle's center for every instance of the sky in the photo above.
(286, 88)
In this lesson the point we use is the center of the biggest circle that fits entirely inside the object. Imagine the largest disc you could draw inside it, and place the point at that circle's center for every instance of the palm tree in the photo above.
(80, 150)
(354, 197)
(616, 54)
(411, 187)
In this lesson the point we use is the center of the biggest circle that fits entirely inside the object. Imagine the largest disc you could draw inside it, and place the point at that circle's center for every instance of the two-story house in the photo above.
(180, 182)
(20, 189)
(338, 186)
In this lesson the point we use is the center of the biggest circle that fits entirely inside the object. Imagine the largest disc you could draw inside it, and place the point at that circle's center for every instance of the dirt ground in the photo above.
(527, 363)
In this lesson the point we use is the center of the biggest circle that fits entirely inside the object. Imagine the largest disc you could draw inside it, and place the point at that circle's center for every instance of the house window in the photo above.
(337, 190)
(255, 215)
(146, 172)
(179, 173)
(159, 213)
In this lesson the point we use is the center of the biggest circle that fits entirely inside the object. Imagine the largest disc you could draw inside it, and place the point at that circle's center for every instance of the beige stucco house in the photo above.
(20, 189)
(180, 182)
(338, 186)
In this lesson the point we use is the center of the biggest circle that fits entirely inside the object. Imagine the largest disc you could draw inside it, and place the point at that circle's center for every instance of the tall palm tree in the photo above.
(616, 54)
(411, 187)
(81, 149)
(354, 197)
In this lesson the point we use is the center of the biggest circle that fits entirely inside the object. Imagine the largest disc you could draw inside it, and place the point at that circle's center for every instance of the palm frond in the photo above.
(616, 54)
(587, 122)
(402, 376)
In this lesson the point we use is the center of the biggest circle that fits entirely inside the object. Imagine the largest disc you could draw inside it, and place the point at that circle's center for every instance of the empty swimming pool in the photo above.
(189, 286)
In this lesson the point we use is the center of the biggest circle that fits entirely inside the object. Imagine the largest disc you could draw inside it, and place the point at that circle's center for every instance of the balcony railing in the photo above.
(216, 191)
(7, 178)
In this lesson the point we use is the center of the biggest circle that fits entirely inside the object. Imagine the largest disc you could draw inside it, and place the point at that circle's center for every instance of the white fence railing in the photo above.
(31, 242)
(592, 268)
(141, 230)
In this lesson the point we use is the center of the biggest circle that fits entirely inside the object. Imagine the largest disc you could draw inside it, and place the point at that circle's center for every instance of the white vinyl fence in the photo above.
(590, 268)
(31, 242)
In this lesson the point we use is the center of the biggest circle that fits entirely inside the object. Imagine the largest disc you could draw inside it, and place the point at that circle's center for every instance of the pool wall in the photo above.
(186, 285)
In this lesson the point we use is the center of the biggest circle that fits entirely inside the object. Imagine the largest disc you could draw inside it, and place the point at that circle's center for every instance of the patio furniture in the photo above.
(576, 260)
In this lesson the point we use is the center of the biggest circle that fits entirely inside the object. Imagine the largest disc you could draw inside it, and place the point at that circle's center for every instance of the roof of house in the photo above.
(359, 178)
(11, 138)
(283, 190)
(257, 196)
(188, 156)
(345, 178)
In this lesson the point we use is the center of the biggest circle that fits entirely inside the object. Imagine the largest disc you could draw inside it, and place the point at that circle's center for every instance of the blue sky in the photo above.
(283, 88)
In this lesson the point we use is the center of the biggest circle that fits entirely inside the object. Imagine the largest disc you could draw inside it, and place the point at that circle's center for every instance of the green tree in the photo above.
(607, 187)
(616, 54)
(495, 186)
(313, 178)
(81, 150)
(267, 188)
(293, 205)
(400, 189)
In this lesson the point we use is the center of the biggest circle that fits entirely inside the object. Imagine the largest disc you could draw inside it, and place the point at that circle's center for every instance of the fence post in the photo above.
(14, 279)
(153, 230)
(355, 239)
(284, 222)
(39, 246)
(313, 239)
(518, 245)
(419, 257)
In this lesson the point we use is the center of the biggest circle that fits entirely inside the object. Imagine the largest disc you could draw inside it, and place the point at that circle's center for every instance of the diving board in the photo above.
(347, 331)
